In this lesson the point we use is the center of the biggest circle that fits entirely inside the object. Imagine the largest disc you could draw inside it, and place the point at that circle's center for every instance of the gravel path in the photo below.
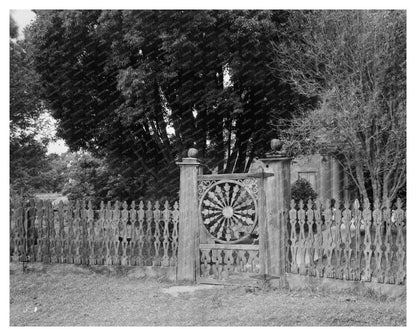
(76, 296)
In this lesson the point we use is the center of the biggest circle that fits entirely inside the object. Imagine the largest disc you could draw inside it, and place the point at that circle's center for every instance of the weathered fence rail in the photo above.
(114, 234)
(344, 243)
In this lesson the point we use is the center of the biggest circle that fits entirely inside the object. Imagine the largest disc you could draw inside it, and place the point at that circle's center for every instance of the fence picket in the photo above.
(140, 235)
(357, 220)
(302, 238)
(123, 234)
(131, 233)
(166, 220)
(338, 240)
(38, 228)
(294, 247)
(388, 243)
(318, 241)
(347, 240)
(400, 243)
(175, 220)
(367, 217)
(310, 251)
(378, 252)
(157, 220)
(148, 235)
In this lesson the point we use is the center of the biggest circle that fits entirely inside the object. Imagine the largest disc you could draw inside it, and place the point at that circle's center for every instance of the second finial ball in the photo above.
(192, 152)
(276, 144)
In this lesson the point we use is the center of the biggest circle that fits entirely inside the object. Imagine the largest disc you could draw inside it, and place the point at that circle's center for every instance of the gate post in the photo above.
(188, 216)
(277, 191)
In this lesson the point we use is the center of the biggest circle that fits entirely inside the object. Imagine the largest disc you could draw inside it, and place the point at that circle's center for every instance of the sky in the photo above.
(23, 17)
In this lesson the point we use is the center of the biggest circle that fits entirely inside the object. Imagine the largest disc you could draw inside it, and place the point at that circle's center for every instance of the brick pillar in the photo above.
(188, 218)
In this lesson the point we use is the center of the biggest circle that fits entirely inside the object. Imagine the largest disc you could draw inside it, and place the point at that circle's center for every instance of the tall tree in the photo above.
(354, 62)
(141, 87)
(27, 148)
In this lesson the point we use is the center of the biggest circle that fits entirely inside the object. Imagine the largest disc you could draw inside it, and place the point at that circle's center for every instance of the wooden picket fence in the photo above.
(349, 243)
(76, 233)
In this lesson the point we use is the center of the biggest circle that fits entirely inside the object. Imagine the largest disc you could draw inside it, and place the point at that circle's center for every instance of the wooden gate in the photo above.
(231, 209)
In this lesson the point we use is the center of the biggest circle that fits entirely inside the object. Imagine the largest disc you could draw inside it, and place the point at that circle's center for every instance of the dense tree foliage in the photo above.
(88, 177)
(138, 88)
(27, 148)
(354, 62)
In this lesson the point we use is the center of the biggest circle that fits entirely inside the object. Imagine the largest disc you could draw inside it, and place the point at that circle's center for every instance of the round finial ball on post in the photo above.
(276, 145)
(192, 153)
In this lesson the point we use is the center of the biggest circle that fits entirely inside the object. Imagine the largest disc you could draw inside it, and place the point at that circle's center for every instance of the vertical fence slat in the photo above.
(156, 220)
(175, 221)
(166, 221)
(92, 253)
(18, 213)
(318, 241)
(38, 228)
(328, 240)
(388, 243)
(357, 220)
(107, 234)
(131, 234)
(378, 252)
(346, 228)
(116, 234)
(140, 235)
(148, 235)
(30, 233)
(293, 238)
(309, 240)
(123, 234)
(367, 217)
(338, 240)
(302, 239)
(400, 243)
(61, 232)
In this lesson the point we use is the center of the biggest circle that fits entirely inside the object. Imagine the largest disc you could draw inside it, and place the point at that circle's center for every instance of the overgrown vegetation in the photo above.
(354, 63)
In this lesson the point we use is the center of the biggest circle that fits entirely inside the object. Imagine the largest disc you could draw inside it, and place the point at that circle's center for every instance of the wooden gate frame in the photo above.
(276, 200)
(206, 242)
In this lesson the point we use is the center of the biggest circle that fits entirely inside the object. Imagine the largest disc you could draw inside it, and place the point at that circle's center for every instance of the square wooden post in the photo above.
(277, 192)
(188, 219)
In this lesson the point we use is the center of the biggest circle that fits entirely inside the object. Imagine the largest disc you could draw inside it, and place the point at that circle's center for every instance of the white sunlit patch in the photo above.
(57, 147)
(227, 82)
(170, 130)
(46, 125)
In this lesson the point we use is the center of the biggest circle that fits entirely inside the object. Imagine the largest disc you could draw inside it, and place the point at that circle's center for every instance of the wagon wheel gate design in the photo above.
(230, 218)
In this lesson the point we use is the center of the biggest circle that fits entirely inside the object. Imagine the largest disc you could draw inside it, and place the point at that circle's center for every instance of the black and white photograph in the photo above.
(227, 167)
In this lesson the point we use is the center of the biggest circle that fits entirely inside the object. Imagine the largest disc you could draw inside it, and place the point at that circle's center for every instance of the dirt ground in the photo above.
(76, 296)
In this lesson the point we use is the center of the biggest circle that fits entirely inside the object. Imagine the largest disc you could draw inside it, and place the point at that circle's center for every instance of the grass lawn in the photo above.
(69, 295)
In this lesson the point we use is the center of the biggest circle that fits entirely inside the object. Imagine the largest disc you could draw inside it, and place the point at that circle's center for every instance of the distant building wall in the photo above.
(324, 174)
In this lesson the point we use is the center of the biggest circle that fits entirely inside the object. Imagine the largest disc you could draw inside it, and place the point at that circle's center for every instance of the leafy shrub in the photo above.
(302, 190)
